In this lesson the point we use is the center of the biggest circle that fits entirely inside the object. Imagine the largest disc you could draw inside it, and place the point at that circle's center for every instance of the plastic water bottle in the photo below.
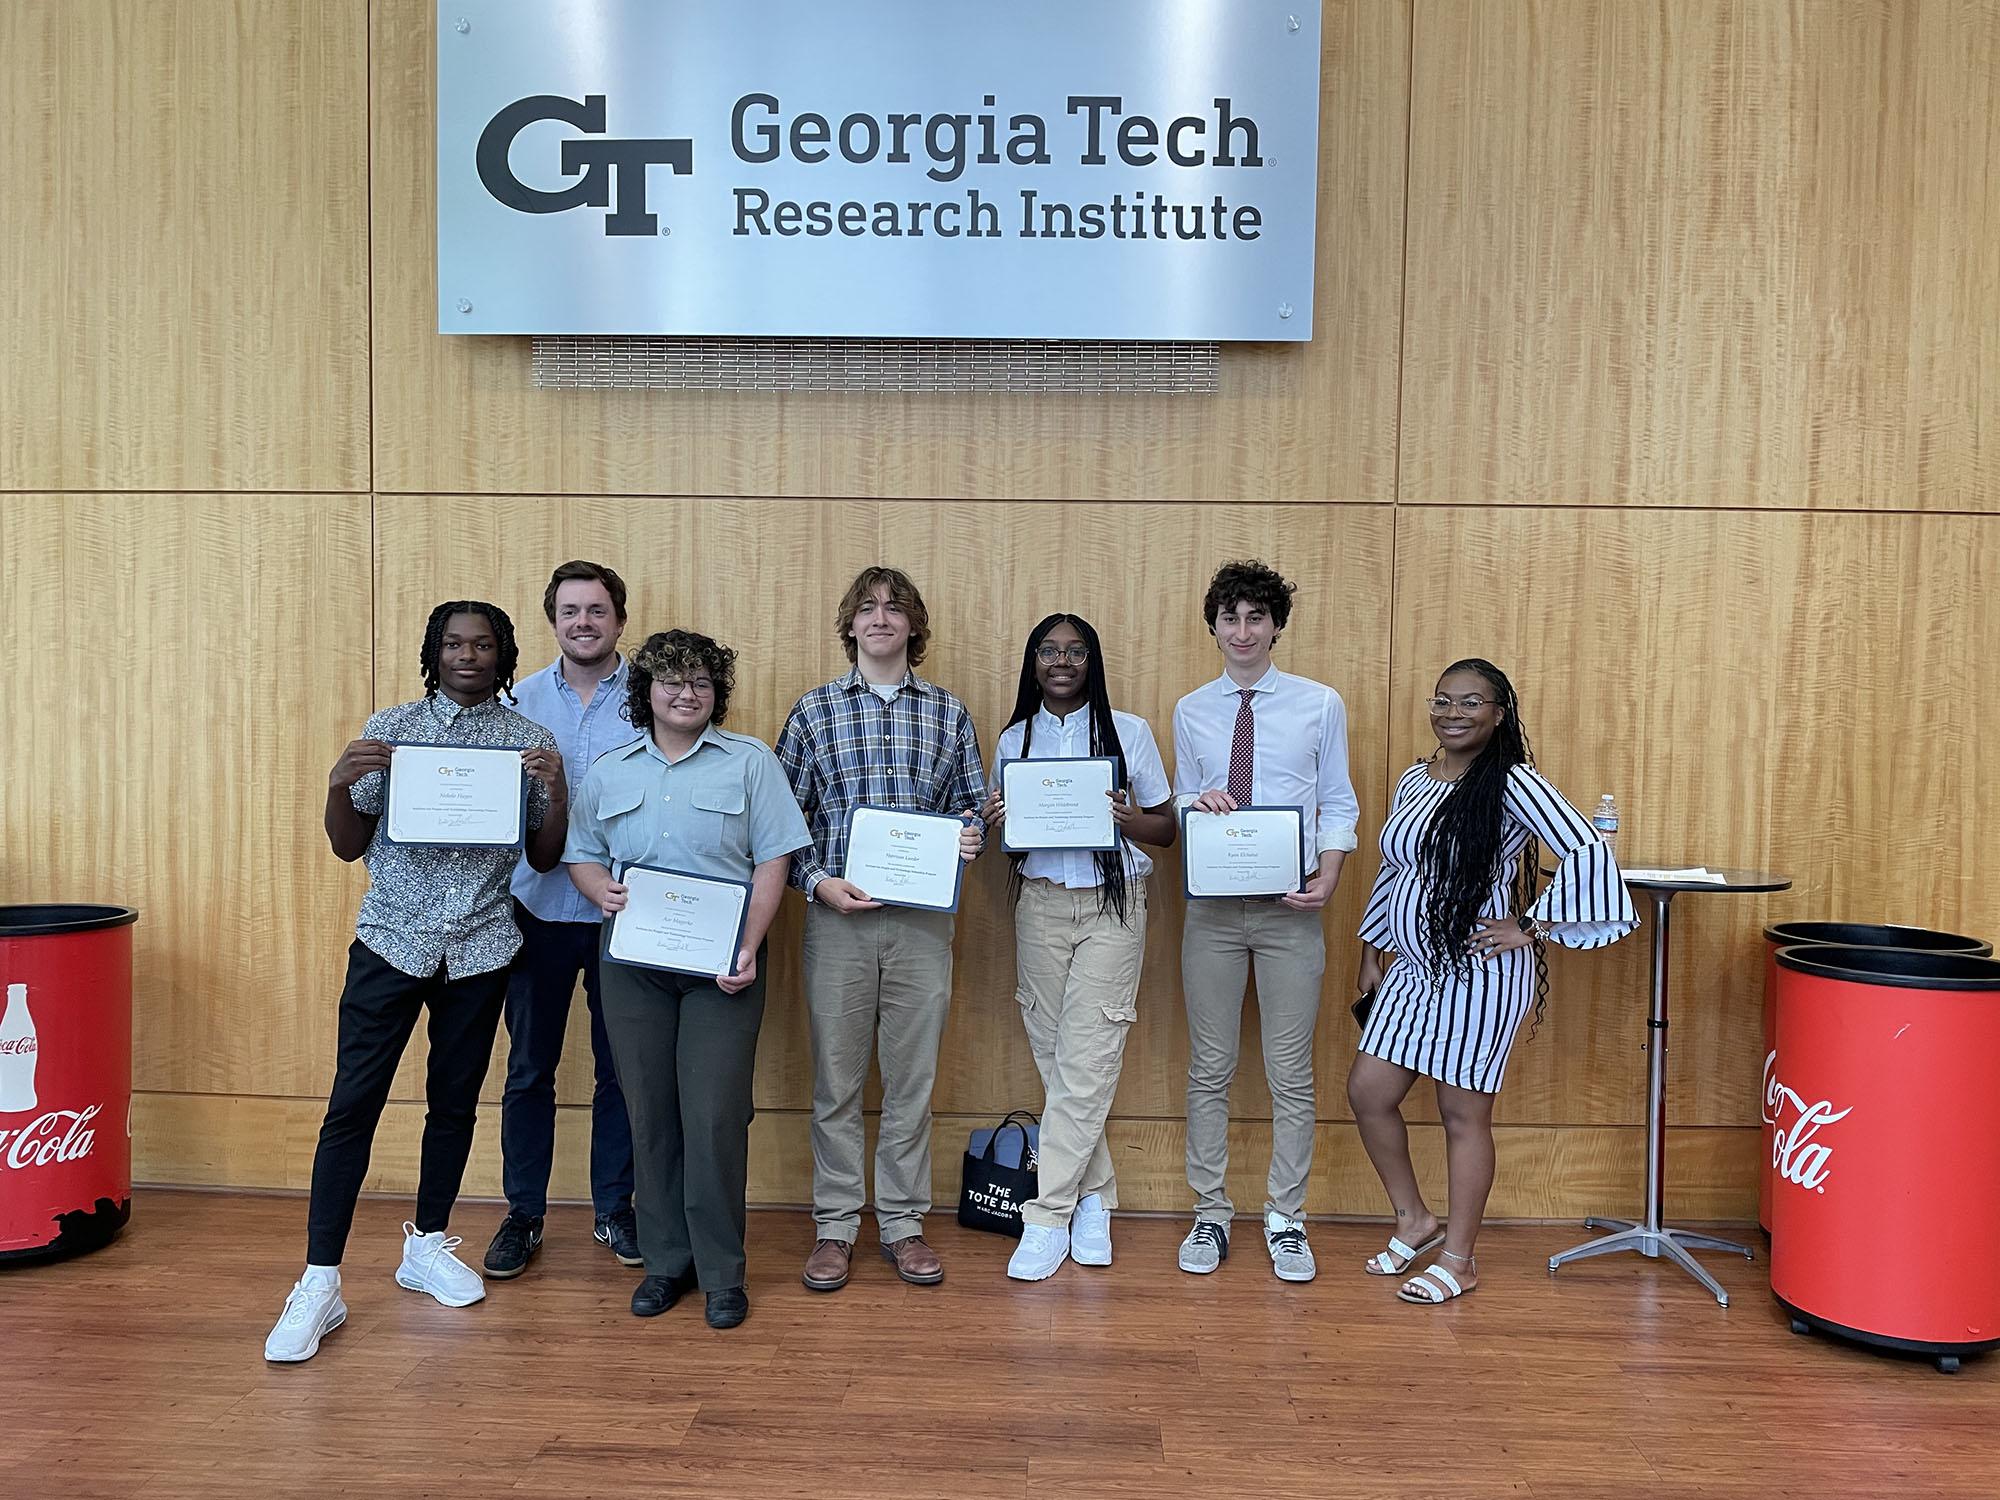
(1605, 821)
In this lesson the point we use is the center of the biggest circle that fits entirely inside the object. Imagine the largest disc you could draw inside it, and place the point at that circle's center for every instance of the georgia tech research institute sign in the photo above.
(1044, 169)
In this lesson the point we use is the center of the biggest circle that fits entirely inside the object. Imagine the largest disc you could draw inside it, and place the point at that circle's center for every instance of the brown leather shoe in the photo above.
(826, 1267)
(915, 1261)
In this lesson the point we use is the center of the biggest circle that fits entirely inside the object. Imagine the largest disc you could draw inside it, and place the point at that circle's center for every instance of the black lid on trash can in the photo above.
(47, 920)
(1902, 968)
(1874, 935)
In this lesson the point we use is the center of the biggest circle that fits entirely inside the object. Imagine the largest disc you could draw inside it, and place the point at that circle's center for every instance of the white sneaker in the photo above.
(429, 1266)
(1090, 1232)
(1291, 1256)
(1205, 1248)
(1040, 1254)
(313, 1310)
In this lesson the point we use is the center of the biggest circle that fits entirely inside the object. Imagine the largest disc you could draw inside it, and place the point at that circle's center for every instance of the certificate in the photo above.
(456, 795)
(1254, 851)
(905, 858)
(1059, 803)
(691, 924)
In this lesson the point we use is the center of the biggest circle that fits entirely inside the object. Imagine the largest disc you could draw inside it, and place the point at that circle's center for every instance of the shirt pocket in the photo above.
(716, 821)
(622, 835)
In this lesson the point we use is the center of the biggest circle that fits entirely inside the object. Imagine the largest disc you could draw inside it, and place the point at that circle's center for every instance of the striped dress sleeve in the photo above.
(1376, 929)
(1585, 905)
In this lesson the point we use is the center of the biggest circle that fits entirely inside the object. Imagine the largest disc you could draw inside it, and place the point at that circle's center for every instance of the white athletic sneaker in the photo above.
(1291, 1256)
(1040, 1254)
(313, 1310)
(1090, 1232)
(1205, 1248)
(429, 1266)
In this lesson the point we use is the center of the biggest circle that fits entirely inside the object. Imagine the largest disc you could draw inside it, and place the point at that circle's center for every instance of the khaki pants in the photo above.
(885, 972)
(1077, 982)
(1220, 939)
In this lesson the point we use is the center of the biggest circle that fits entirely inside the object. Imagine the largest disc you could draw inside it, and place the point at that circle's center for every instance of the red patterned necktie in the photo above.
(1243, 751)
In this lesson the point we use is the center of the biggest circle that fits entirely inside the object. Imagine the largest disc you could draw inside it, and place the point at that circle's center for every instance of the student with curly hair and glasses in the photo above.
(1079, 937)
(435, 935)
(690, 796)
(1258, 736)
(1452, 961)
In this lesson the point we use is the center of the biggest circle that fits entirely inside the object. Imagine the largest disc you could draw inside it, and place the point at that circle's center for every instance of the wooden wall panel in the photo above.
(184, 245)
(181, 674)
(764, 576)
(1559, 1172)
(1704, 254)
(1781, 691)
(458, 414)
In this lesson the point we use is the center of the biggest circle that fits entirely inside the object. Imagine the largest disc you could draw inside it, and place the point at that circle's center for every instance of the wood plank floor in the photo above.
(138, 1371)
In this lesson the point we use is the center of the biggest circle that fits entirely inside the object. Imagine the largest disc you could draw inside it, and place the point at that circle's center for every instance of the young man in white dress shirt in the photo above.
(1258, 736)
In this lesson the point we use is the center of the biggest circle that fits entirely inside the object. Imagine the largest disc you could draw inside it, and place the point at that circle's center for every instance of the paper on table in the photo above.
(1699, 873)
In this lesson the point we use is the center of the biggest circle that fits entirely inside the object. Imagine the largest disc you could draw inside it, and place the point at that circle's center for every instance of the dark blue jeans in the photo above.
(538, 996)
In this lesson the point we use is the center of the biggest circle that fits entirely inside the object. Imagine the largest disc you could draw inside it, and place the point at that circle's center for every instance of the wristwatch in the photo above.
(1534, 925)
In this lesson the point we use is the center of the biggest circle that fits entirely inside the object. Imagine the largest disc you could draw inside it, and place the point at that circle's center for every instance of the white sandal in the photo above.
(1435, 1283)
(1398, 1257)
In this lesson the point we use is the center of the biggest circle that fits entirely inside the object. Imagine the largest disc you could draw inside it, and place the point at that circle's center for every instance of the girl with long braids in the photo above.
(1080, 937)
(1452, 954)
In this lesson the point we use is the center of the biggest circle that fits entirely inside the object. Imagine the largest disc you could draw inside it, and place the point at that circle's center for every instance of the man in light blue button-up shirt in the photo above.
(580, 698)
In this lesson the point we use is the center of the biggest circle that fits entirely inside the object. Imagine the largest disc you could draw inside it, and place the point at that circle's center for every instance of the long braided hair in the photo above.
(1459, 854)
(1111, 895)
(508, 655)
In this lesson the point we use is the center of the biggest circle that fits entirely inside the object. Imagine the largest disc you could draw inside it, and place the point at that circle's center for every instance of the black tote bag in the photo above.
(999, 1175)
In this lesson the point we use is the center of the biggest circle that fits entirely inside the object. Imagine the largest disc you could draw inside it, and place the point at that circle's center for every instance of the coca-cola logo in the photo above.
(19, 1046)
(1796, 1155)
(58, 1135)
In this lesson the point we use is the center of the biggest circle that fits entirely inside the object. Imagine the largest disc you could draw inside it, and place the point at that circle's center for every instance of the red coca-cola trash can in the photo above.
(1887, 1207)
(1841, 934)
(65, 1078)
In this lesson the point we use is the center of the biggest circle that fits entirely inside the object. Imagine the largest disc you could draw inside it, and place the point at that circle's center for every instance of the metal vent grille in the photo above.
(695, 364)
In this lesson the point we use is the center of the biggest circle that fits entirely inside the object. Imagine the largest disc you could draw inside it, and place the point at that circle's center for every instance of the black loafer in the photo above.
(656, 1294)
(728, 1307)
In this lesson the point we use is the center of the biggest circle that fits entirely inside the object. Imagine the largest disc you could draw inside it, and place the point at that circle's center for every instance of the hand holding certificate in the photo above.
(456, 795)
(905, 858)
(1254, 851)
(688, 924)
(1058, 803)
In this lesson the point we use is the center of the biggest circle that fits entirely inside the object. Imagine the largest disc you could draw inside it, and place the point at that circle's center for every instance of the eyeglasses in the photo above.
(673, 687)
(1075, 653)
(1471, 703)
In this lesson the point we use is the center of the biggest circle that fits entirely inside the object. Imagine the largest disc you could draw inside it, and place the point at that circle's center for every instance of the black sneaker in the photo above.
(620, 1230)
(513, 1247)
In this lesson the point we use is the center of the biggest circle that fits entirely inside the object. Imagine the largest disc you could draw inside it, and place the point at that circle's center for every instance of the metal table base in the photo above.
(1654, 1237)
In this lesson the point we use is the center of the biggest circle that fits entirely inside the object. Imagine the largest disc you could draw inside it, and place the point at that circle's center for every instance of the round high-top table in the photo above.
(1652, 1236)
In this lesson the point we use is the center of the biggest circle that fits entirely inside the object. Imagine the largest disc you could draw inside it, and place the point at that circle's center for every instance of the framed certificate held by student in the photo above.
(456, 795)
(905, 858)
(1060, 803)
(1254, 851)
(689, 924)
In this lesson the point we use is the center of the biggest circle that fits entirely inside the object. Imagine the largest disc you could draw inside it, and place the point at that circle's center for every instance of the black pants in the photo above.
(378, 1011)
(685, 1054)
(539, 990)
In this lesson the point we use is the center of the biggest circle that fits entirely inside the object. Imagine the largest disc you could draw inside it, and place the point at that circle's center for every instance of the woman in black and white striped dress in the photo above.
(1452, 952)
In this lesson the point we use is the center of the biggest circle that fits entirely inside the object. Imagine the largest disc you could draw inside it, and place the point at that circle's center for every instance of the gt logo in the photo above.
(597, 163)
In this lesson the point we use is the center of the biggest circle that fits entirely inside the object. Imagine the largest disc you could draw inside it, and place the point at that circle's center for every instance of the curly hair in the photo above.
(902, 593)
(1249, 580)
(1459, 855)
(509, 654)
(683, 654)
